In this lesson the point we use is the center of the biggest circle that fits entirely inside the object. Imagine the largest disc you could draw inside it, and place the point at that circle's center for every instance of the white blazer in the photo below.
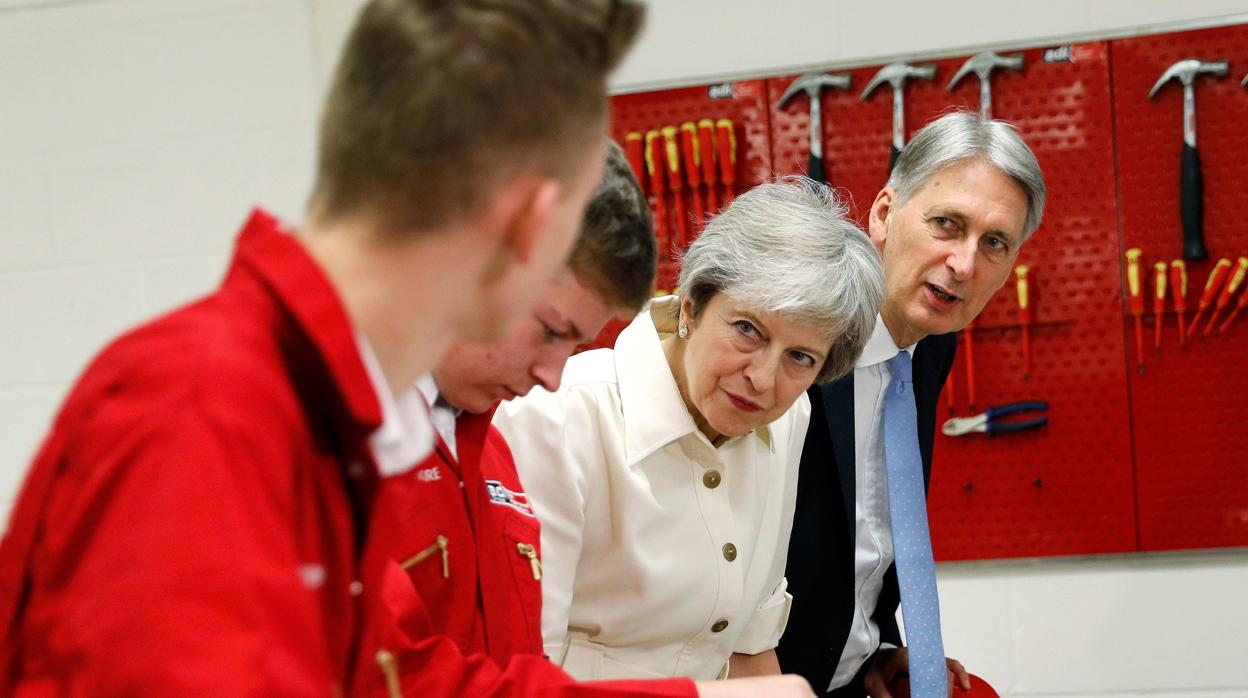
(662, 555)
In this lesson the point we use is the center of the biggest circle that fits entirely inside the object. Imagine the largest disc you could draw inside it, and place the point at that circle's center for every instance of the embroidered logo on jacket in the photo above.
(499, 494)
(430, 474)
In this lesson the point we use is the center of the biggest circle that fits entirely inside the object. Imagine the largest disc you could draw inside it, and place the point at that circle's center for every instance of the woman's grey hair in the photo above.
(960, 136)
(788, 248)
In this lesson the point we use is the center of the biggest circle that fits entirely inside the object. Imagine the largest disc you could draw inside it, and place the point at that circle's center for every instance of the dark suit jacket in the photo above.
(821, 551)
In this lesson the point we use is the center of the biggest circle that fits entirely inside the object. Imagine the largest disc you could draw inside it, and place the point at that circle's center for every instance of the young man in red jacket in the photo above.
(456, 536)
(461, 598)
(193, 523)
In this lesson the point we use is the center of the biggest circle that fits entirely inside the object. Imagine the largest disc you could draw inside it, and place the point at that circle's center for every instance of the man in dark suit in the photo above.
(964, 196)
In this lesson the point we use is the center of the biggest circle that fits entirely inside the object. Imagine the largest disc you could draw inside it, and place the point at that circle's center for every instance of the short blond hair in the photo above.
(436, 102)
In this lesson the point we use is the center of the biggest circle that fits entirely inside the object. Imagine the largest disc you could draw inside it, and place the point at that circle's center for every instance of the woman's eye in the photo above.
(745, 328)
(804, 359)
(549, 334)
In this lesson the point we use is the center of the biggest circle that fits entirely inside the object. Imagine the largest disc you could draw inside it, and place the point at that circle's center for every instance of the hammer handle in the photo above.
(892, 159)
(1191, 205)
(815, 170)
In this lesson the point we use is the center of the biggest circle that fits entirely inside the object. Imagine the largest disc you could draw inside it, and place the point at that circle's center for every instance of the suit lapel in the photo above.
(838, 403)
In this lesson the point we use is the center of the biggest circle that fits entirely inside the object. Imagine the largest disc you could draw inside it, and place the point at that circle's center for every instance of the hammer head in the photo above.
(812, 84)
(896, 75)
(982, 64)
(1187, 70)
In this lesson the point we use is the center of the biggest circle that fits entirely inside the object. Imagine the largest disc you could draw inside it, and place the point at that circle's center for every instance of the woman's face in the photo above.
(742, 367)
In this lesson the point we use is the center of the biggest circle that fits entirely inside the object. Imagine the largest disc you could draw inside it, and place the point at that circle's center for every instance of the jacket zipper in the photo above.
(527, 550)
(438, 545)
(390, 670)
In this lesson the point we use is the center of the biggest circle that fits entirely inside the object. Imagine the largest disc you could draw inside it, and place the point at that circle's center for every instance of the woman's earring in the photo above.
(683, 332)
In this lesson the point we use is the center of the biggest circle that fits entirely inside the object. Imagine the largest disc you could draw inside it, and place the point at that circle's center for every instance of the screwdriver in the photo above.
(706, 148)
(727, 157)
(1024, 316)
(1243, 301)
(693, 166)
(635, 149)
(969, 335)
(1212, 285)
(676, 183)
(951, 397)
(1159, 303)
(1178, 288)
(1231, 287)
(1136, 302)
(654, 166)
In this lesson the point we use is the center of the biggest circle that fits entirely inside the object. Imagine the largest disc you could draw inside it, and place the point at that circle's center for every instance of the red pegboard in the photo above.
(1067, 488)
(744, 103)
(1128, 461)
(1188, 409)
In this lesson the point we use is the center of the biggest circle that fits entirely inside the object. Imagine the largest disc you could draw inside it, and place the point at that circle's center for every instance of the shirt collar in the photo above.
(428, 387)
(405, 437)
(654, 412)
(880, 347)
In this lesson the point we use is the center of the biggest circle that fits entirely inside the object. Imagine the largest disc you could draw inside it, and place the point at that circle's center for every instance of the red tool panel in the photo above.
(745, 104)
(1189, 414)
(1128, 461)
(1066, 488)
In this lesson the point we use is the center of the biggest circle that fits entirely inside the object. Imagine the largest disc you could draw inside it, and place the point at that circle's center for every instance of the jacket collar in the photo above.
(273, 253)
(654, 412)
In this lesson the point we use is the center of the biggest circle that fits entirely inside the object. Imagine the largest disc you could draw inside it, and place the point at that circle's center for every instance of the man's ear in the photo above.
(881, 209)
(526, 220)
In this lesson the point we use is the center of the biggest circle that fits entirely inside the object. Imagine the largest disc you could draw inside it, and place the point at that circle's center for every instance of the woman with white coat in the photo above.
(664, 471)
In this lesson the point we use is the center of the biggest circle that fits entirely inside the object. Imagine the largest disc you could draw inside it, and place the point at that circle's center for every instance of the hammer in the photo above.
(812, 84)
(1191, 182)
(896, 75)
(982, 64)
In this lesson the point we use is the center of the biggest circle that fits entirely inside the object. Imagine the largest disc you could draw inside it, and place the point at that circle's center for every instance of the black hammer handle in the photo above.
(892, 159)
(1191, 205)
(815, 170)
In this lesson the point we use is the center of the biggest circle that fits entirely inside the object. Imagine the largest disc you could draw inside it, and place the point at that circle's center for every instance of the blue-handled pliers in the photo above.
(988, 421)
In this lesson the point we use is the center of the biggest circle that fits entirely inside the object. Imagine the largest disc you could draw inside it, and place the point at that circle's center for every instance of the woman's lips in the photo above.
(741, 403)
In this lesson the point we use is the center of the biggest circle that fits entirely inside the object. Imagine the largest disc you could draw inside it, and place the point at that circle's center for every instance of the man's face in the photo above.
(515, 285)
(475, 376)
(947, 249)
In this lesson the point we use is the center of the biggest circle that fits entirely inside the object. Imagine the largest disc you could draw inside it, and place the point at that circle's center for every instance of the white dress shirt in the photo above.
(873, 538)
(638, 510)
(441, 413)
(405, 437)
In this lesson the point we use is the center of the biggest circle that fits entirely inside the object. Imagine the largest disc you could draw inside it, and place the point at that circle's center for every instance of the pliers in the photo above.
(987, 422)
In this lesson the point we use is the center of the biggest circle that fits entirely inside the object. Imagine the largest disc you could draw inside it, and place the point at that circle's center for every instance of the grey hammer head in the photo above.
(1187, 70)
(812, 84)
(982, 64)
(896, 75)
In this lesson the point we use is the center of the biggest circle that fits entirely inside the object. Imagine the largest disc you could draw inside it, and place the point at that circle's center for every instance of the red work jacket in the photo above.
(461, 591)
(189, 526)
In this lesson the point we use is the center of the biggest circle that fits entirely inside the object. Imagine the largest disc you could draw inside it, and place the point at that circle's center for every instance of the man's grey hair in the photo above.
(960, 136)
(788, 248)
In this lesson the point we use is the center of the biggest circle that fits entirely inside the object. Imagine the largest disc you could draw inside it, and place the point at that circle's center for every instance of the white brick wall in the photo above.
(135, 134)
(134, 137)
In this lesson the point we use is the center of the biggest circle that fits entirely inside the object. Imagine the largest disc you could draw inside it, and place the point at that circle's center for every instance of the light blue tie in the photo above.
(912, 546)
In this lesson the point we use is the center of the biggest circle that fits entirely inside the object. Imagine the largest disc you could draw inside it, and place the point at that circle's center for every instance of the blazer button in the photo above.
(730, 552)
(720, 625)
(711, 479)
